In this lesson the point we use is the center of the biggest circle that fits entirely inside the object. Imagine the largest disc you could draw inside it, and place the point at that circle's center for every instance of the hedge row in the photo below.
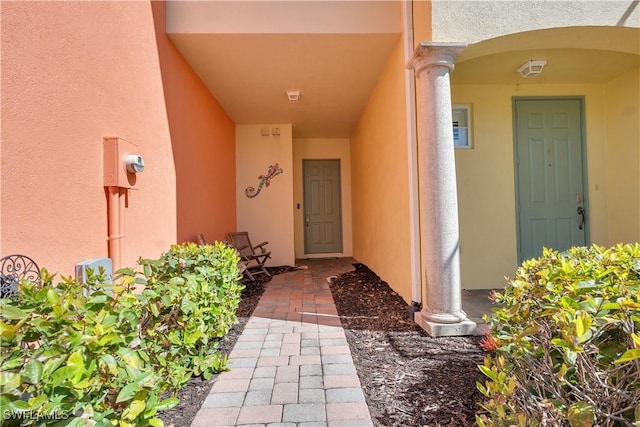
(567, 342)
(76, 354)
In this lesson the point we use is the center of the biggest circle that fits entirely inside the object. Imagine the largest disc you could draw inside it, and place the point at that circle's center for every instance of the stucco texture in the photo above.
(269, 215)
(203, 146)
(73, 73)
(474, 21)
(379, 179)
(622, 100)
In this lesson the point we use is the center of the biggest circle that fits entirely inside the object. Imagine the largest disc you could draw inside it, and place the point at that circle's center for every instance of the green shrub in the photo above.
(100, 360)
(72, 358)
(191, 296)
(568, 342)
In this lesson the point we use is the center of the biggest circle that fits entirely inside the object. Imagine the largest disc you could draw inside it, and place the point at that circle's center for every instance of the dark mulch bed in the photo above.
(409, 378)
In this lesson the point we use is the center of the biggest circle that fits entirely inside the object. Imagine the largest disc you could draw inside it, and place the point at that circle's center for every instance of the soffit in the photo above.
(564, 66)
(250, 74)
(250, 53)
(574, 55)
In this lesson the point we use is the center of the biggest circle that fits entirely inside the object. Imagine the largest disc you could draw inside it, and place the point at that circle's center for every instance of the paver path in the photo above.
(292, 364)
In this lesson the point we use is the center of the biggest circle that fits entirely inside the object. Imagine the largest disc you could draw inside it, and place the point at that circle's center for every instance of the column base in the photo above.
(463, 328)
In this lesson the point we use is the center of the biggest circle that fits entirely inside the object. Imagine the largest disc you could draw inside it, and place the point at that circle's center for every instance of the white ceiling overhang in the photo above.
(249, 54)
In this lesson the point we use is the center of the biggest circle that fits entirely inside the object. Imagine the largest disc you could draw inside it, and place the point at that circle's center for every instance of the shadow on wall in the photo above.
(202, 142)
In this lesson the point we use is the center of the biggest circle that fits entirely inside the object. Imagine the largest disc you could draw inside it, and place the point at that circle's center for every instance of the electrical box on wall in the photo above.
(122, 162)
(95, 267)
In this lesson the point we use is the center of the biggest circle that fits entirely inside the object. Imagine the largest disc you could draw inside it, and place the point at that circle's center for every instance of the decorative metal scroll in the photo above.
(13, 268)
(265, 180)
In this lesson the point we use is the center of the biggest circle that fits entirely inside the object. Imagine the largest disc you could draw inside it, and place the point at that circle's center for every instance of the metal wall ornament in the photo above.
(265, 180)
(14, 268)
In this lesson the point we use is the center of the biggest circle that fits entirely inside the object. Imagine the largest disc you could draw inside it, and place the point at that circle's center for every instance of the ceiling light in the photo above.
(293, 95)
(531, 68)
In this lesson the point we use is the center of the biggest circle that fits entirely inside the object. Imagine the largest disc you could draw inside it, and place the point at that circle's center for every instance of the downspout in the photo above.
(115, 214)
(412, 164)
(120, 169)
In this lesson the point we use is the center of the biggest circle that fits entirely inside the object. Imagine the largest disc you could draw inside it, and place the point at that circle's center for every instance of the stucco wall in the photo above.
(269, 215)
(473, 21)
(421, 20)
(622, 97)
(380, 180)
(485, 174)
(322, 148)
(203, 146)
(73, 73)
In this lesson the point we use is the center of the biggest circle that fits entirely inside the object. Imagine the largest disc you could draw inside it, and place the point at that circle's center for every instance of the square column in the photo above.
(442, 313)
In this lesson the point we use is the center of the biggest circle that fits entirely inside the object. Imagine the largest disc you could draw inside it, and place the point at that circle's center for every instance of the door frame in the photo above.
(305, 161)
(585, 170)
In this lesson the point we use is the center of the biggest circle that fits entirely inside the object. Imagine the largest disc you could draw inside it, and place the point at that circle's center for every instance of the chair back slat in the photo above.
(241, 242)
(253, 260)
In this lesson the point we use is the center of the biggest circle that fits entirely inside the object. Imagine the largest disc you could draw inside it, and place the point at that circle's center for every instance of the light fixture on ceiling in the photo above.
(531, 68)
(293, 95)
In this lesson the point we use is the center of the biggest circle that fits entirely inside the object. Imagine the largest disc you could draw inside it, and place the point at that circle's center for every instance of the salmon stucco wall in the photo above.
(379, 180)
(268, 216)
(485, 174)
(73, 73)
(622, 97)
(322, 148)
(203, 146)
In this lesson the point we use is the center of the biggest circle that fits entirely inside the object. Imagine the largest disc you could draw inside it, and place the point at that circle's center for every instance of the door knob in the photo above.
(583, 214)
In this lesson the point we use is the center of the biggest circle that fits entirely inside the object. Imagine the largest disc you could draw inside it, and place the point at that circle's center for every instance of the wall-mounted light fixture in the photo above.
(531, 68)
(293, 95)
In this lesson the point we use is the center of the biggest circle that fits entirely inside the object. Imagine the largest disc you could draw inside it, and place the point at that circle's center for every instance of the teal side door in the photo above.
(322, 206)
(549, 175)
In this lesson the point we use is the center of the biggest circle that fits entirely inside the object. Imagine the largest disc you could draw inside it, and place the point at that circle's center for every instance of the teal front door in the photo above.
(550, 181)
(322, 207)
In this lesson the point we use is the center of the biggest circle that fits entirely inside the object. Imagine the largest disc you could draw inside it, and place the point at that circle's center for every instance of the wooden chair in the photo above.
(253, 256)
(201, 240)
(14, 268)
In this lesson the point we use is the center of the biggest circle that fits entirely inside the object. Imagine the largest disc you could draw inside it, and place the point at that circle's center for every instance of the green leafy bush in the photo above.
(67, 357)
(191, 296)
(101, 360)
(567, 342)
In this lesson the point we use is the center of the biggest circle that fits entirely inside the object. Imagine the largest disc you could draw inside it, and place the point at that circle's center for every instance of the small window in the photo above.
(461, 114)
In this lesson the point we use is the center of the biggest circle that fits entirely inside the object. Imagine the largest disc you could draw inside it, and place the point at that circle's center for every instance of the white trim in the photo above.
(412, 148)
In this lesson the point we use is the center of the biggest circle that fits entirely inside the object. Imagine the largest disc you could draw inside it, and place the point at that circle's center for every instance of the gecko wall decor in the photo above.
(265, 181)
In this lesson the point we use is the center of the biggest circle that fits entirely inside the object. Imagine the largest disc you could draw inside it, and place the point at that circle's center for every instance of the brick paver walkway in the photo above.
(292, 365)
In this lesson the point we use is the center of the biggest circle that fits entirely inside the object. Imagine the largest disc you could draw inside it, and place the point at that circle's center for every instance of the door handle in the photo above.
(583, 214)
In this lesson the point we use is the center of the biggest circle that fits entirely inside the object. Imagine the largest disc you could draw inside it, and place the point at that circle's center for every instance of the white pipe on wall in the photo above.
(412, 167)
